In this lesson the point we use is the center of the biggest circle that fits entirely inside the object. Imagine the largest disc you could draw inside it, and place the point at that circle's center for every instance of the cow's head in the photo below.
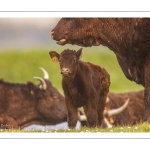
(68, 60)
(79, 31)
(50, 102)
(44, 85)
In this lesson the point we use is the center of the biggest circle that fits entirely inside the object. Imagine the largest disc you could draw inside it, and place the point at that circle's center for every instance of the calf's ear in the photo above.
(54, 55)
(79, 53)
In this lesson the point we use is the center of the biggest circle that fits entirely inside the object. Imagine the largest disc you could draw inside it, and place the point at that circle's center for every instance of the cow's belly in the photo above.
(78, 100)
(132, 72)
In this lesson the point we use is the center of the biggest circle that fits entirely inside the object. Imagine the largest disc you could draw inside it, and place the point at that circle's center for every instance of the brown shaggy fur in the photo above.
(128, 38)
(132, 114)
(24, 104)
(84, 84)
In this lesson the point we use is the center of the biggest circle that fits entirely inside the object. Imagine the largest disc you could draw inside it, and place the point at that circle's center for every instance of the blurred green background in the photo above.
(22, 65)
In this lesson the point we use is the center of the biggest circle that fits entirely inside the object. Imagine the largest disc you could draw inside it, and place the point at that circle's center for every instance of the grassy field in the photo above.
(140, 128)
(22, 65)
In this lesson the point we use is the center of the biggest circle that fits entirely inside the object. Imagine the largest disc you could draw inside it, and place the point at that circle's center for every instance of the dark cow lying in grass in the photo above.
(84, 84)
(24, 104)
(120, 111)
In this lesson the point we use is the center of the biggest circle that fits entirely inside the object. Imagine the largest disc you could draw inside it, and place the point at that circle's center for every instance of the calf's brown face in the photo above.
(68, 60)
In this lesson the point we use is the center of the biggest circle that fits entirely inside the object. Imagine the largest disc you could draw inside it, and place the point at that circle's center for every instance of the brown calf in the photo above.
(84, 84)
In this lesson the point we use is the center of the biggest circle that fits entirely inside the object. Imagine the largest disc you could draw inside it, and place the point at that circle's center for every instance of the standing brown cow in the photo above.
(128, 38)
(84, 84)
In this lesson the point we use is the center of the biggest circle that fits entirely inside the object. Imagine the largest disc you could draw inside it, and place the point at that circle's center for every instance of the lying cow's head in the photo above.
(51, 103)
(25, 104)
(68, 60)
(44, 88)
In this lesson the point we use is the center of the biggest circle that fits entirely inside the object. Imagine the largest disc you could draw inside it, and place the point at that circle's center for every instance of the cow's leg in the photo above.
(91, 112)
(72, 116)
(100, 109)
(146, 116)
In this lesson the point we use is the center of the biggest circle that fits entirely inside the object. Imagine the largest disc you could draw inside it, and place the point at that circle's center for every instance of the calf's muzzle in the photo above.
(65, 71)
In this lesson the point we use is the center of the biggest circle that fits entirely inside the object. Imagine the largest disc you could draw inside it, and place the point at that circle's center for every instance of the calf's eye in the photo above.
(74, 61)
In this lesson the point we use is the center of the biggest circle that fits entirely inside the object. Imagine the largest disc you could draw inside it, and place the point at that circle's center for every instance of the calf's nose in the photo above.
(65, 70)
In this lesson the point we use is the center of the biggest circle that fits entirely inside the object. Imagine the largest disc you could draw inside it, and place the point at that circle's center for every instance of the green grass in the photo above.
(139, 128)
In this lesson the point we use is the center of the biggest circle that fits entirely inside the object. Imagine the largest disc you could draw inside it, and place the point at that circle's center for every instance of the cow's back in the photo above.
(133, 113)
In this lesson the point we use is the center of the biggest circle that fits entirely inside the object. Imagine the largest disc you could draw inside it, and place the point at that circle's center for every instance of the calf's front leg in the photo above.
(72, 116)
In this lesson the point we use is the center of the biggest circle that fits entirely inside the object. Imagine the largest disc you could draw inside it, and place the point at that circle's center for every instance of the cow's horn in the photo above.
(107, 99)
(118, 110)
(107, 123)
(46, 76)
(82, 117)
(43, 85)
(81, 114)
